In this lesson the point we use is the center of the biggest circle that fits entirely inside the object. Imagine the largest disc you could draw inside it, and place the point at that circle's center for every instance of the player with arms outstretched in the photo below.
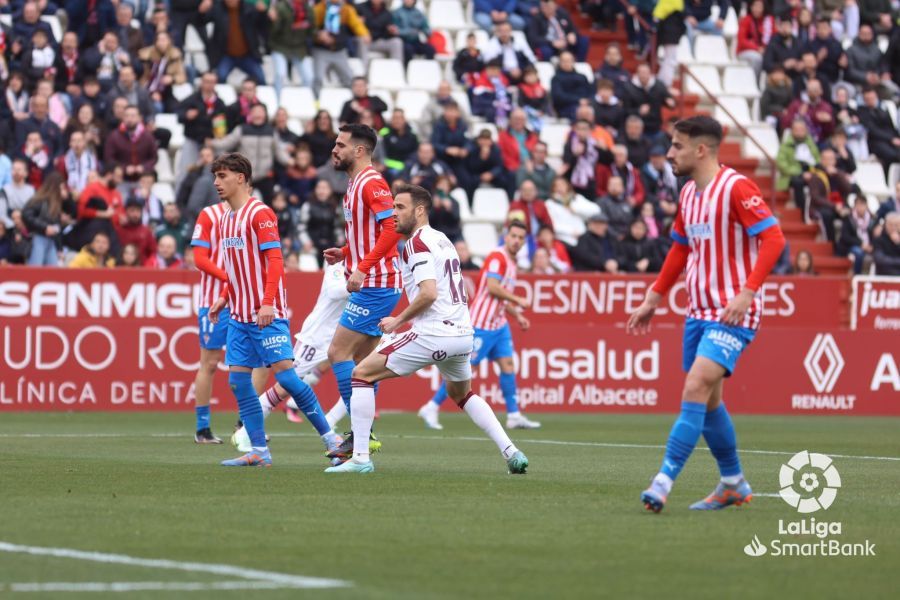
(728, 241)
(370, 257)
(494, 300)
(258, 333)
(441, 334)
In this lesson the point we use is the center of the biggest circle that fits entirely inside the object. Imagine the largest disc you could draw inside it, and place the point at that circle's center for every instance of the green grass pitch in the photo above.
(440, 517)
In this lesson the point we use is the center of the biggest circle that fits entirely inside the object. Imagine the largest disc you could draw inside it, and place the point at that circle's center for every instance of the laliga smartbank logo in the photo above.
(809, 482)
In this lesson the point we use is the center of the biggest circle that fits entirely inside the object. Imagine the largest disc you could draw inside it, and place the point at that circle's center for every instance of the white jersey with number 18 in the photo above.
(428, 254)
(322, 321)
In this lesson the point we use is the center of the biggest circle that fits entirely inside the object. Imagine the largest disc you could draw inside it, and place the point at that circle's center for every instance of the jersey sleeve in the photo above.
(202, 231)
(378, 198)
(495, 266)
(334, 282)
(679, 235)
(265, 225)
(749, 208)
(421, 261)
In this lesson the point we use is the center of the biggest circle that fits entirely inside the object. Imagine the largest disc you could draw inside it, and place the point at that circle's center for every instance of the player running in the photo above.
(494, 299)
(258, 333)
(310, 350)
(370, 257)
(726, 236)
(441, 334)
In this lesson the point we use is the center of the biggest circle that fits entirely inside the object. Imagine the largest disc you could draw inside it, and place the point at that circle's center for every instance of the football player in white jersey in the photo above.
(441, 335)
(310, 350)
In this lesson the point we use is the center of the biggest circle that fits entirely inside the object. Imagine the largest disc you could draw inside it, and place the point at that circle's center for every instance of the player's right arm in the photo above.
(421, 267)
(495, 267)
(673, 267)
(200, 241)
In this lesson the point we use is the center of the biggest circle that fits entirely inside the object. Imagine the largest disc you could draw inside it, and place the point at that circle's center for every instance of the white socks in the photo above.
(732, 479)
(482, 415)
(269, 400)
(362, 415)
(664, 481)
(337, 412)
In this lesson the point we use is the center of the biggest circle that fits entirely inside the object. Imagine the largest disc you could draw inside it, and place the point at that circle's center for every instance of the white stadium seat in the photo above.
(266, 95)
(711, 50)
(586, 70)
(730, 28)
(870, 179)
(413, 103)
(164, 173)
(333, 99)
(735, 105)
(192, 41)
(170, 122)
(463, 100)
(481, 38)
(555, 136)
(545, 71)
(482, 238)
(385, 95)
(423, 74)
(708, 76)
(893, 175)
(449, 14)
(164, 191)
(767, 138)
(308, 263)
(490, 205)
(685, 54)
(465, 212)
(226, 93)
(357, 67)
(387, 73)
(740, 80)
(182, 91)
(55, 26)
(299, 102)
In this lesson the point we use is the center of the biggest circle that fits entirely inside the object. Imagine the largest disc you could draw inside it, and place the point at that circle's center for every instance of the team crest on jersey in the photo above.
(233, 242)
(198, 231)
(438, 355)
(701, 231)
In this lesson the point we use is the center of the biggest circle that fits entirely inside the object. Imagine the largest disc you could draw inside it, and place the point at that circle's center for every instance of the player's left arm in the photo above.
(754, 215)
(265, 224)
(382, 204)
(421, 267)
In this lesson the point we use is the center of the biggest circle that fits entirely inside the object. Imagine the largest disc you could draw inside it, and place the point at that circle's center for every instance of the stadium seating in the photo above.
(767, 138)
(555, 136)
(170, 121)
(387, 73)
(449, 14)
(182, 91)
(465, 212)
(299, 102)
(545, 71)
(226, 93)
(164, 173)
(481, 238)
(708, 76)
(490, 205)
(333, 99)
(870, 178)
(586, 70)
(711, 50)
(740, 80)
(55, 26)
(736, 106)
(413, 103)
(424, 74)
(266, 95)
(893, 176)
(164, 191)
(308, 262)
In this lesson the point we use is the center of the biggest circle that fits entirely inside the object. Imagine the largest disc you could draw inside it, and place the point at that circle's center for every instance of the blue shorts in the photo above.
(367, 307)
(213, 335)
(492, 344)
(716, 341)
(250, 346)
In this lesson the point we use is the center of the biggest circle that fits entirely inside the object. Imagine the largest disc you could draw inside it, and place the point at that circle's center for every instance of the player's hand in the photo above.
(215, 309)
(639, 321)
(354, 283)
(265, 316)
(523, 321)
(736, 310)
(333, 256)
(389, 324)
(523, 302)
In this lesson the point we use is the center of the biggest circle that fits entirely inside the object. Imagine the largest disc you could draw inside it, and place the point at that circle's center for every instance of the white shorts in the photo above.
(307, 358)
(410, 351)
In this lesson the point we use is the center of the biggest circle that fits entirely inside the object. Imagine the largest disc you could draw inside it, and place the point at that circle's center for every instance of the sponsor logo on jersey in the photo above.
(356, 309)
(752, 202)
(274, 340)
(381, 193)
(266, 224)
(725, 340)
(702, 231)
(233, 242)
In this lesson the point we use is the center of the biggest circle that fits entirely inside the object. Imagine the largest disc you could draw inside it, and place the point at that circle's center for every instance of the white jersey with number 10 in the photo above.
(428, 254)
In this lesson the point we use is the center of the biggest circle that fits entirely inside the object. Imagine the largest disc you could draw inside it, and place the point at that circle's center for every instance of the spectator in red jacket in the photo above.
(557, 253)
(814, 110)
(166, 255)
(133, 230)
(529, 209)
(754, 32)
(516, 142)
(132, 147)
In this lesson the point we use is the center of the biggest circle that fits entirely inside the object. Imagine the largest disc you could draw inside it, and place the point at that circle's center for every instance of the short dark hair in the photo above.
(420, 196)
(519, 224)
(234, 162)
(362, 135)
(700, 126)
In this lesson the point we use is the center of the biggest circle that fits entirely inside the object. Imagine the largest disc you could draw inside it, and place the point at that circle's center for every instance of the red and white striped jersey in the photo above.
(487, 311)
(206, 234)
(720, 225)
(367, 203)
(246, 235)
(429, 254)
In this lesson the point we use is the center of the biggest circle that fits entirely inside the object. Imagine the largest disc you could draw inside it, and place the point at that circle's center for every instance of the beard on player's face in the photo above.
(342, 164)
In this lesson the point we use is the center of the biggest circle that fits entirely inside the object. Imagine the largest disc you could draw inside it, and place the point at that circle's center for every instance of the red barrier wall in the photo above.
(126, 340)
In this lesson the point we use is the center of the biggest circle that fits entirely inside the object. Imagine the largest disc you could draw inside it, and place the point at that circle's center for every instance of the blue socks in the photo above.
(343, 372)
(305, 398)
(718, 430)
(441, 394)
(202, 413)
(683, 437)
(508, 387)
(248, 406)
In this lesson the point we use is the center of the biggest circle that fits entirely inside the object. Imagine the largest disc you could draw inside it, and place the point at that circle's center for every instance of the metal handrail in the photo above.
(685, 70)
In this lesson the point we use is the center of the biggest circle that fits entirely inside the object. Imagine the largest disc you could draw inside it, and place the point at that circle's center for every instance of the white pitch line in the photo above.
(142, 586)
(442, 438)
(285, 580)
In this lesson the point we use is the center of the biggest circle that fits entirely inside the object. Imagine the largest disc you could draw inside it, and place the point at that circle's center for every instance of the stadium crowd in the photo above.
(83, 120)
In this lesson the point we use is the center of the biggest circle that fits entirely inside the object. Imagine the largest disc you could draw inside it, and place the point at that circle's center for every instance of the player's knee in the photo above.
(698, 388)
(210, 364)
(239, 379)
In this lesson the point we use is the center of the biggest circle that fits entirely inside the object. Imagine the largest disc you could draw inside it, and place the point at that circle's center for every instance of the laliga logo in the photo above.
(809, 482)
(824, 346)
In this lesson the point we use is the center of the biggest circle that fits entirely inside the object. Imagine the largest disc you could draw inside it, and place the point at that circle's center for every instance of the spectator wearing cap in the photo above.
(105, 59)
(514, 54)
(134, 231)
(236, 38)
(166, 255)
(424, 169)
(866, 65)
(660, 184)
(755, 29)
(484, 166)
(568, 87)
(383, 30)
(96, 255)
(698, 17)
(469, 60)
(884, 138)
(292, 30)
(783, 49)
(886, 248)
(131, 146)
(536, 170)
(490, 13)
(336, 23)
(414, 29)
(551, 32)
(596, 249)
(362, 100)
(449, 139)
(645, 97)
(516, 141)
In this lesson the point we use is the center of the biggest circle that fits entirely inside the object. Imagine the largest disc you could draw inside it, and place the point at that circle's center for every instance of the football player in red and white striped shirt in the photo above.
(727, 240)
(258, 333)
(494, 300)
(210, 261)
(370, 256)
